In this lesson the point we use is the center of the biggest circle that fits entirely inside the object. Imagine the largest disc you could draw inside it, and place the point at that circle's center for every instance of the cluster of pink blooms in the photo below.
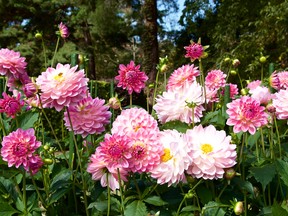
(136, 145)
(19, 148)
(131, 78)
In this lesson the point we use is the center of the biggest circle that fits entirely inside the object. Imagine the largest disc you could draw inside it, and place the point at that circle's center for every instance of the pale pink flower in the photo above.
(88, 116)
(194, 51)
(63, 86)
(34, 164)
(11, 105)
(181, 75)
(134, 120)
(246, 114)
(33, 102)
(183, 104)
(142, 129)
(211, 95)
(261, 93)
(283, 79)
(233, 90)
(115, 151)
(175, 159)
(254, 84)
(280, 103)
(211, 152)
(11, 64)
(63, 30)
(131, 78)
(274, 80)
(19, 147)
(146, 151)
(99, 170)
(215, 79)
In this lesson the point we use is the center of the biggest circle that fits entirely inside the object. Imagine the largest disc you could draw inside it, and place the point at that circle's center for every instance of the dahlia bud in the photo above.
(38, 35)
(114, 103)
(244, 92)
(238, 208)
(262, 59)
(30, 89)
(270, 108)
(229, 173)
(47, 161)
(233, 72)
(227, 59)
(235, 62)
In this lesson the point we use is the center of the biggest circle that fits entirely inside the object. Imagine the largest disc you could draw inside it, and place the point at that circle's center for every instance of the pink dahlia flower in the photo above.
(18, 83)
(274, 81)
(11, 105)
(175, 159)
(131, 78)
(19, 147)
(215, 79)
(11, 64)
(63, 30)
(99, 170)
(211, 152)
(181, 75)
(142, 129)
(280, 103)
(194, 51)
(62, 86)
(233, 90)
(134, 120)
(283, 79)
(115, 151)
(254, 84)
(30, 89)
(146, 151)
(262, 94)
(34, 164)
(183, 104)
(246, 114)
(88, 116)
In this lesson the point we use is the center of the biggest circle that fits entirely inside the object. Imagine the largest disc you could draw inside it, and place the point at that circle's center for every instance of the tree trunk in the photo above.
(149, 39)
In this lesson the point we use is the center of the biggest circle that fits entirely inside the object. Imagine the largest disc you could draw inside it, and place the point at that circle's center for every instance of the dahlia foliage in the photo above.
(201, 145)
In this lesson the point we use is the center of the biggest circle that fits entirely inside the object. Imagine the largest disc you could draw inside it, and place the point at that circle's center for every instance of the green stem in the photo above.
(262, 73)
(240, 80)
(44, 51)
(24, 193)
(131, 103)
(155, 92)
(262, 141)
(121, 192)
(80, 165)
(56, 48)
(202, 78)
(37, 190)
(278, 137)
(109, 197)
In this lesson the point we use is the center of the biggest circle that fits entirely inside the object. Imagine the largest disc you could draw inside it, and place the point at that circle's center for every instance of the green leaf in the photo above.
(244, 185)
(190, 208)
(177, 125)
(58, 194)
(252, 139)
(27, 119)
(205, 195)
(61, 180)
(282, 168)
(213, 208)
(278, 210)
(264, 174)
(137, 207)
(156, 201)
(20, 205)
(7, 210)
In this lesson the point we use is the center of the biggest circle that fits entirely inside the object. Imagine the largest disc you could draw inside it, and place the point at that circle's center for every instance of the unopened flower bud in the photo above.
(233, 72)
(262, 59)
(270, 108)
(38, 35)
(47, 161)
(238, 208)
(235, 62)
(229, 174)
(244, 92)
(114, 103)
(227, 59)
(30, 89)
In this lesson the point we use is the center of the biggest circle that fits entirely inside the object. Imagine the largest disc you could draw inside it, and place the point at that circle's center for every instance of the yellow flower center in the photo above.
(206, 148)
(166, 156)
(59, 77)
(136, 128)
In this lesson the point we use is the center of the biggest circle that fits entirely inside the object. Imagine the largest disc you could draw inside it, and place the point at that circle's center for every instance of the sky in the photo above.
(172, 19)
